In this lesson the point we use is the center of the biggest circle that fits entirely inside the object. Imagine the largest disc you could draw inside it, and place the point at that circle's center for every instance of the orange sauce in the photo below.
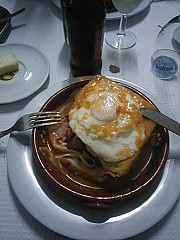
(149, 125)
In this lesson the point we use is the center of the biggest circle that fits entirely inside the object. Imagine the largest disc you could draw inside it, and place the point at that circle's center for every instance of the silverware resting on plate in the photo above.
(40, 119)
(162, 120)
(33, 120)
(7, 17)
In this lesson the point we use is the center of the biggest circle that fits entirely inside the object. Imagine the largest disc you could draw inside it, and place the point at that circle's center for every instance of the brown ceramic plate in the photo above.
(144, 172)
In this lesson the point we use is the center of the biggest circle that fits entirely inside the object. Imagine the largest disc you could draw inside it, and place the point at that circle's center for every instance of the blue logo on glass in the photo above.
(164, 67)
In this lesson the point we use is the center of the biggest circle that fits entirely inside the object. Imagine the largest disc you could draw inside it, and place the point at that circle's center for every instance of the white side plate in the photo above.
(33, 72)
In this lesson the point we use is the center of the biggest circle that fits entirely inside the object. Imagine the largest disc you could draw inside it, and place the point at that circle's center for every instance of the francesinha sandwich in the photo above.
(103, 131)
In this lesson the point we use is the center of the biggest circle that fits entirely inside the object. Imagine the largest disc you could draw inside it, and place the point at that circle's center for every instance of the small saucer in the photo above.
(33, 72)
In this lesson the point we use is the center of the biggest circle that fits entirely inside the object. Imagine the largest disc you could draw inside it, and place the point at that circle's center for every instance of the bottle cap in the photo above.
(164, 63)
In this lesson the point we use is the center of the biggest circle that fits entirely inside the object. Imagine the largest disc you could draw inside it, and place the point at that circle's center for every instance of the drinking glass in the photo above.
(123, 38)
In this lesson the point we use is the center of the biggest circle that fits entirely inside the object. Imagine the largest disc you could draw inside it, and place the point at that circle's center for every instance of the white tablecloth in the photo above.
(41, 26)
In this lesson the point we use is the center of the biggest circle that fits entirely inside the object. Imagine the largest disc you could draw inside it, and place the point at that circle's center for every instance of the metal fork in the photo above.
(33, 120)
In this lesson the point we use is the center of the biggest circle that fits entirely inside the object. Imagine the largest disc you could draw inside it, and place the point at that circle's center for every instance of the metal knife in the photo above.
(161, 119)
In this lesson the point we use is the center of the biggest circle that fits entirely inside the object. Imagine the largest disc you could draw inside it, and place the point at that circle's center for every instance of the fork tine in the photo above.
(42, 124)
(44, 118)
(41, 115)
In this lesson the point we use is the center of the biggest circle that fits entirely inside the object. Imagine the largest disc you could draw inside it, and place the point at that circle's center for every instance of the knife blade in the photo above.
(161, 119)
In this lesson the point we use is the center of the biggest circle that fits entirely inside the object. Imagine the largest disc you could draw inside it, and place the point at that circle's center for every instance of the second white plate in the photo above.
(33, 72)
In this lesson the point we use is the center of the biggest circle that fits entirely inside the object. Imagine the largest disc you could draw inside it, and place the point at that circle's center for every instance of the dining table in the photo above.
(37, 34)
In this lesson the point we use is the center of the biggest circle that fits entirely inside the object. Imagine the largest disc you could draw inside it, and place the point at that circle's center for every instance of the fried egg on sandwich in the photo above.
(105, 116)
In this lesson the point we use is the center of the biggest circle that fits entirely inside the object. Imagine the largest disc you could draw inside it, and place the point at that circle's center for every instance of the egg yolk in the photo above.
(104, 107)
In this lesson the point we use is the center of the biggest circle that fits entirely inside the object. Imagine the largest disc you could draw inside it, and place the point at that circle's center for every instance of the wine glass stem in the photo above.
(122, 26)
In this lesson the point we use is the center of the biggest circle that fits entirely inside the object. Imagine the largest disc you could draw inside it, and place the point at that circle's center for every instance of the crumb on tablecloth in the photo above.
(114, 68)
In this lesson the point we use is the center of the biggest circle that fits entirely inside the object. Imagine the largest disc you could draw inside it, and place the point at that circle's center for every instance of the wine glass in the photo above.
(123, 38)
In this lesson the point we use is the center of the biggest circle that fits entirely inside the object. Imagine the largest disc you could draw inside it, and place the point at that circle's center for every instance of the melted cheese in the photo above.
(106, 117)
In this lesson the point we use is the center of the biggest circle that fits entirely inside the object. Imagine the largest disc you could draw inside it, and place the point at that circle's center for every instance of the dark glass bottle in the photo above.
(85, 25)
(110, 6)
